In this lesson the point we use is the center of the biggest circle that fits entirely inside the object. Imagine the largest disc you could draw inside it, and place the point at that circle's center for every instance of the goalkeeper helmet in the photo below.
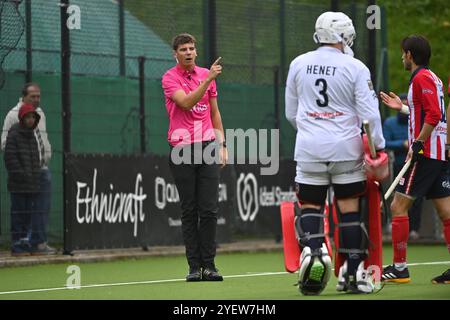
(334, 27)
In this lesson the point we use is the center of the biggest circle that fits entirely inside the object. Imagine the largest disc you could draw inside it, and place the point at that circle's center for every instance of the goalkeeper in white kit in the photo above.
(328, 95)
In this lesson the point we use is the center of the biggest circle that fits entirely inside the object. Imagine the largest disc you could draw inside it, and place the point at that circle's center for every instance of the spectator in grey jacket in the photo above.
(31, 94)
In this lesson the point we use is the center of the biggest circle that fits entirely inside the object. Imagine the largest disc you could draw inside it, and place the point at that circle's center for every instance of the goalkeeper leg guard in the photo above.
(351, 238)
(309, 227)
(370, 222)
(292, 241)
(291, 248)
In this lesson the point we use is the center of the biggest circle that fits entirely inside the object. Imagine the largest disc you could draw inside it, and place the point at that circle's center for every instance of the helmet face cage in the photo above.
(334, 27)
(349, 37)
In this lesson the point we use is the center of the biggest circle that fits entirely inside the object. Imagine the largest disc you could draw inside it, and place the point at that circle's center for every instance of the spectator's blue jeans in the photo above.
(29, 212)
(23, 205)
(39, 220)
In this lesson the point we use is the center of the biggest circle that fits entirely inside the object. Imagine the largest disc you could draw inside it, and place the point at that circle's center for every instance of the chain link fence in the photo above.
(256, 40)
(11, 31)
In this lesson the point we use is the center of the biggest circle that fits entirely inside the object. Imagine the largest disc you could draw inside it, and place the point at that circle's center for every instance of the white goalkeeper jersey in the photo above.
(328, 95)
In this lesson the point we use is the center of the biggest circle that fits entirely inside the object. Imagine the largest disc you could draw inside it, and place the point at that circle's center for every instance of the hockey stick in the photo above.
(373, 153)
(397, 179)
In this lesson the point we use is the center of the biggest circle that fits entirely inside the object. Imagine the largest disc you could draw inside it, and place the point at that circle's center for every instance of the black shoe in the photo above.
(20, 248)
(390, 274)
(211, 274)
(443, 278)
(195, 274)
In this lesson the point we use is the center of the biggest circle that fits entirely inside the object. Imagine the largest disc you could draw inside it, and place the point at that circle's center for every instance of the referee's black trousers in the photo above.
(198, 187)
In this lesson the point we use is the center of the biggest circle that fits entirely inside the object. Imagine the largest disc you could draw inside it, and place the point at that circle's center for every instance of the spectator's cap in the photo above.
(403, 96)
(27, 108)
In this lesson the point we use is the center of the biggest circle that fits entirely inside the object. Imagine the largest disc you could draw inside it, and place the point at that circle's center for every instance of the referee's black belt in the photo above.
(204, 144)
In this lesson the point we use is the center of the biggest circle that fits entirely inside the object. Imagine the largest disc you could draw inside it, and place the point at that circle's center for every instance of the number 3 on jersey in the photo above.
(322, 83)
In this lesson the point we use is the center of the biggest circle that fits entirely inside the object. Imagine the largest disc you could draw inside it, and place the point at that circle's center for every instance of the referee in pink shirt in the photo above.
(195, 126)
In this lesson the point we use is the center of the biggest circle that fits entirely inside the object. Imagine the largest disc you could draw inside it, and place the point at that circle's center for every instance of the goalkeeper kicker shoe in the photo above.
(364, 281)
(443, 278)
(391, 274)
(359, 283)
(315, 270)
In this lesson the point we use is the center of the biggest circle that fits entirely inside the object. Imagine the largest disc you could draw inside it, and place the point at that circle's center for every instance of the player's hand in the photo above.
(391, 100)
(409, 155)
(215, 70)
(223, 156)
(406, 144)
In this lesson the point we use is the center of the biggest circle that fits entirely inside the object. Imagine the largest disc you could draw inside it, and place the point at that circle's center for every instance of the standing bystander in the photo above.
(36, 237)
(23, 166)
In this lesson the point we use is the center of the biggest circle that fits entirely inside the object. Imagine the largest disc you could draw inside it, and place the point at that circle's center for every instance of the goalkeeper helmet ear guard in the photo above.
(334, 27)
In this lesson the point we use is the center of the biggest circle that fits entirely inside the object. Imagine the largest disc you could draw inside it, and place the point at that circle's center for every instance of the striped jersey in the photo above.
(426, 104)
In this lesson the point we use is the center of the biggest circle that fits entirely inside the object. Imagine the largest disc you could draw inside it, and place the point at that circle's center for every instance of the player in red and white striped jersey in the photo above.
(429, 173)
(447, 146)
(426, 104)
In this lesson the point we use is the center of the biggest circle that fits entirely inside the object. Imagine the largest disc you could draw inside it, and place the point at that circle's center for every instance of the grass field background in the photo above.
(245, 278)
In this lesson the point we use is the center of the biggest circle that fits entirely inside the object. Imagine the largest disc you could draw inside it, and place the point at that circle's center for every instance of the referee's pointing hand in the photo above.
(215, 70)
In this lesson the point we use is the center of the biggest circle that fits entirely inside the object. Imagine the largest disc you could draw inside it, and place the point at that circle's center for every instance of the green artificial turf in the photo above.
(278, 286)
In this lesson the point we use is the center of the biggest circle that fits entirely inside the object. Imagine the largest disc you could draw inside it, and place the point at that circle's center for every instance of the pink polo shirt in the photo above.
(194, 125)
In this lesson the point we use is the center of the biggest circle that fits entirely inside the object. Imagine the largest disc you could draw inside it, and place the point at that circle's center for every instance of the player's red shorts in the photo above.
(426, 177)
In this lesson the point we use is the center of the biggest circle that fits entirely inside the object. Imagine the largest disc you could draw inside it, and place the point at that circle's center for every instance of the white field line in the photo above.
(182, 280)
